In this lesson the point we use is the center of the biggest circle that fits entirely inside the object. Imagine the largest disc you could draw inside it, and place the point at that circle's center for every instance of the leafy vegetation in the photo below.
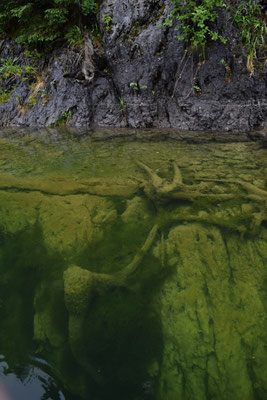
(5, 95)
(228, 72)
(123, 106)
(63, 119)
(74, 35)
(194, 21)
(38, 22)
(107, 19)
(9, 68)
(137, 87)
(32, 101)
(247, 17)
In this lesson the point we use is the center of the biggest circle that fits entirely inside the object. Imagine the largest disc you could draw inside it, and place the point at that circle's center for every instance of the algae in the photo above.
(137, 280)
(213, 316)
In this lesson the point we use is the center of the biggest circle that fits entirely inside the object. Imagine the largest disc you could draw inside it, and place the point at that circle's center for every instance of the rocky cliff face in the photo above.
(144, 78)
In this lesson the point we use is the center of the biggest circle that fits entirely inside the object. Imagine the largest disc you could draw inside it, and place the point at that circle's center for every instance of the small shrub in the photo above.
(9, 68)
(32, 101)
(35, 23)
(107, 19)
(74, 36)
(5, 96)
(247, 18)
(30, 70)
(194, 21)
(33, 55)
(64, 118)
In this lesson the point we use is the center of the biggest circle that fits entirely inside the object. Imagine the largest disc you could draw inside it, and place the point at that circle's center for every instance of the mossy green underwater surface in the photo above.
(135, 268)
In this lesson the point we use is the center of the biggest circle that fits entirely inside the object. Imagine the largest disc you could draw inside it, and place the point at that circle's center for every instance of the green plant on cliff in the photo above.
(32, 101)
(5, 95)
(9, 68)
(63, 118)
(42, 21)
(107, 19)
(74, 36)
(228, 72)
(194, 21)
(248, 18)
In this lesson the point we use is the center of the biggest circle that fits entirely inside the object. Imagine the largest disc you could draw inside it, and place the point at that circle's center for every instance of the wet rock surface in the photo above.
(137, 81)
(209, 310)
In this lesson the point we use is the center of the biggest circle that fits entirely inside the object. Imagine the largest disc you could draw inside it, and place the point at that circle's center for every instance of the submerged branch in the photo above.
(80, 284)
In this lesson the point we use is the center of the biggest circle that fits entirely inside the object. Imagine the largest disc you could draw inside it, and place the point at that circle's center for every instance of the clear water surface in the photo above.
(133, 267)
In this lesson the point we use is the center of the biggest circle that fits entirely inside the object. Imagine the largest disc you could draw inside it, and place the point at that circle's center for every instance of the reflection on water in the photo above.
(132, 267)
(28, 382)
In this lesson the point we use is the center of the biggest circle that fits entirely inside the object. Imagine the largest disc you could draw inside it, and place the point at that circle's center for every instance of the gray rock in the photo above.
(136, 81)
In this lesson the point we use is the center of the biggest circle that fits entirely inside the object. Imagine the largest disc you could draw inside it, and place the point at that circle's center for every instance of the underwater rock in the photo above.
(50, 314)
(213, 316)
(68, 223)
(136, 209)
(62, 185)
(18, 211)
(71, 223)
(81, 287)
(78, 284)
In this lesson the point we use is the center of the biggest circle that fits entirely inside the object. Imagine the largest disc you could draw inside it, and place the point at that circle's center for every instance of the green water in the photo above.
(132, 268)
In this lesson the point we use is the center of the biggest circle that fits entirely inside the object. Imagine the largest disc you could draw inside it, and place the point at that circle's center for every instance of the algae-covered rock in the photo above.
(160, 294)
(18, 211)
(68, 223)
(213, 316)
(64, 184)
(78, 285)
(50, 318)
(105, 309)
(136, 209)
(113, 332)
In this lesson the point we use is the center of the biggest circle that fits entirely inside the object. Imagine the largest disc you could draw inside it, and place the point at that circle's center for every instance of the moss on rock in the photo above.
(69, 223)
(50, 318)
(213, 316)
(136, 209)
(78, 284)
(18, 211)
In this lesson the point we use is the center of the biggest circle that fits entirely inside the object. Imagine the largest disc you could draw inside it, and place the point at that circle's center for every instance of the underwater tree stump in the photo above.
(81, 285)
(159, 189)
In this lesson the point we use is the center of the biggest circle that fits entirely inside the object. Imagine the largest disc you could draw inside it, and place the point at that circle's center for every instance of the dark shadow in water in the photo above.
(23, 262)
(121, 339)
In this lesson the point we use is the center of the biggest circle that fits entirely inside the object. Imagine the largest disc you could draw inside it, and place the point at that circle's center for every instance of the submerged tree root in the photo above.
(161, 190)
(253, 192)
(81, 285)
